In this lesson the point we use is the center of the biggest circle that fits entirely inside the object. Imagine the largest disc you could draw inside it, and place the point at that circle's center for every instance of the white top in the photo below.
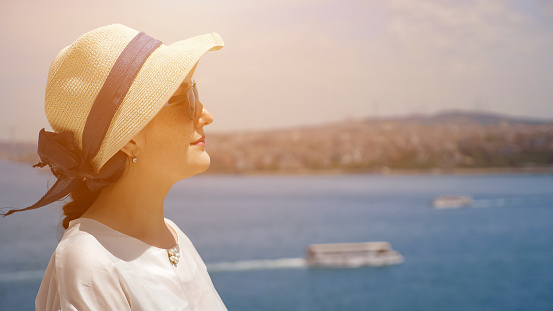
(95, 267)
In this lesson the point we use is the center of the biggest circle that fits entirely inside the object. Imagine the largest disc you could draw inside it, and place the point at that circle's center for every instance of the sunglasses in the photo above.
(191, 97)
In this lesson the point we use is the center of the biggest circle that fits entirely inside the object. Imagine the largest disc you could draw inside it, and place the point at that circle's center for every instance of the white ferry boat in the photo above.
(352, 255)
(452, 201)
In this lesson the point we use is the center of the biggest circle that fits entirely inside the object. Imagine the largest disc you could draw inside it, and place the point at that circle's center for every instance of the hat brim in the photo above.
(155, 83)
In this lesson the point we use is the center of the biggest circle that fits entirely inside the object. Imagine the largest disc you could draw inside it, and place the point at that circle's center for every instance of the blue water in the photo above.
(495, 256)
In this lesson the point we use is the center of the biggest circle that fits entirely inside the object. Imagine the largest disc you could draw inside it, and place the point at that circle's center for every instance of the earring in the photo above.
(134, 159)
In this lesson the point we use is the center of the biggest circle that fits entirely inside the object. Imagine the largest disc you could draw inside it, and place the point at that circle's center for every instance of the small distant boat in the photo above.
(452, 201)
(352, 255)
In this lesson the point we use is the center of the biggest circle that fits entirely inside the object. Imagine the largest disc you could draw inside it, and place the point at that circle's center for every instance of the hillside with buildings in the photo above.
(452, 140)
(445, 142)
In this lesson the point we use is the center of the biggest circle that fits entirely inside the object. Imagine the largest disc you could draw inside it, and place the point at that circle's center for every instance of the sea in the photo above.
(252, 232)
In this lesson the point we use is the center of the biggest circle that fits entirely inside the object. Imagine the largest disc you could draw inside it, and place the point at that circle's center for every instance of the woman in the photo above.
(127, 124)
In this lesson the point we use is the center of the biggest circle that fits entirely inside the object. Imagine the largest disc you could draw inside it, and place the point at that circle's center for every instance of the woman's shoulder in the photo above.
(82, 273)
(80, 246)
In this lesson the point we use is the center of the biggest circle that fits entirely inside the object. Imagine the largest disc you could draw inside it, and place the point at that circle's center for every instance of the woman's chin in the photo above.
(202, 163)
(195, 166)
(205, 167)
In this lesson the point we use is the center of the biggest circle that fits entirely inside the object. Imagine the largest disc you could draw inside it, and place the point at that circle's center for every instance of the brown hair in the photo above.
(82, 198)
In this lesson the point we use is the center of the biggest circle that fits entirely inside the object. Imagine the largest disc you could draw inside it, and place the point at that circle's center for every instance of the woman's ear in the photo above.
(131, 149)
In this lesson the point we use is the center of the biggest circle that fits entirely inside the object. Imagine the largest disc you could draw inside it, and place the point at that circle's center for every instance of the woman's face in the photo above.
(173, 144)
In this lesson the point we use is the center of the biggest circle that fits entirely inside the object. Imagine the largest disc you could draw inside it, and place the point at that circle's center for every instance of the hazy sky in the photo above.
(288, 63)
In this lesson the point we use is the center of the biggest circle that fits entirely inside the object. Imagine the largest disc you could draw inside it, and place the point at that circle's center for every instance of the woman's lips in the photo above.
(200, 142)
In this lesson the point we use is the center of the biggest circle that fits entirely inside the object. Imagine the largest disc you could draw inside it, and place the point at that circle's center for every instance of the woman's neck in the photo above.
(134, 206)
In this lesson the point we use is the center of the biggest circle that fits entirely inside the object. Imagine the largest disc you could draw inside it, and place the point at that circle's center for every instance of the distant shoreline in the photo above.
(541, 170)
(450, 143)
(536, 170)
(396, 172)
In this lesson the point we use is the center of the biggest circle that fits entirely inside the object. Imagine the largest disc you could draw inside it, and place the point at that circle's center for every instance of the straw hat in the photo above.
(79, 71)
(101, 91)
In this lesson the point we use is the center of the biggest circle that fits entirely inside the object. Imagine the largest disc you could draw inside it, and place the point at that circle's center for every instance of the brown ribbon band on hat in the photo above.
(68, 163)
(114, 90)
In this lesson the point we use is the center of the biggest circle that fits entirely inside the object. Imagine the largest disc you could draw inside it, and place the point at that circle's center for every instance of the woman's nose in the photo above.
(205, 118)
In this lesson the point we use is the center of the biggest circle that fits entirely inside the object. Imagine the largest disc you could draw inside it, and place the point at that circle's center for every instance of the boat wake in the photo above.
(505, 202)
(283, 263)
(266, 264)
(18, 276)
(453, 202)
